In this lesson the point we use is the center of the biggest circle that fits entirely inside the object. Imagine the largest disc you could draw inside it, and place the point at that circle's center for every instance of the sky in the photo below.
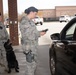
(39, 4)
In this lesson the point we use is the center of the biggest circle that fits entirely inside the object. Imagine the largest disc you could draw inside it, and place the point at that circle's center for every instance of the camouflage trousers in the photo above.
(3, 61)
(30, 68)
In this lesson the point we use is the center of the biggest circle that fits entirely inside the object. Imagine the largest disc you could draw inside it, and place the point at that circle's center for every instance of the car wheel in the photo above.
(41, 23)
(36, 23)
(52, 63)
(60, 21)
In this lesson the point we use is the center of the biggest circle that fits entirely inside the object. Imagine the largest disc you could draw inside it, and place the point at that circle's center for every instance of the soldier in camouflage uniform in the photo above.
(3, 38)
(29, 39)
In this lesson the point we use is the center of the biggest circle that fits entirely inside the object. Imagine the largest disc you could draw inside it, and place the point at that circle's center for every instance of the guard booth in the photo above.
(13, 20)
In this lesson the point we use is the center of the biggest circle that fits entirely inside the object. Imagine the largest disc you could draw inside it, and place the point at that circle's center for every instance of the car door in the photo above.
(66, 50)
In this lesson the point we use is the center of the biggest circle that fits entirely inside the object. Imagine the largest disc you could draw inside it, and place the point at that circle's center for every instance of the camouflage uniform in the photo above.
(3, 38)
(29, 41)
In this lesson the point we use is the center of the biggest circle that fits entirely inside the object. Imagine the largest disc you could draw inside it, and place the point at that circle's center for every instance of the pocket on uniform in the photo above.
(29, 57)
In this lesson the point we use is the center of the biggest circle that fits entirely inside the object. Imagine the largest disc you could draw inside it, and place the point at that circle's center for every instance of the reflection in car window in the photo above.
(70, 32)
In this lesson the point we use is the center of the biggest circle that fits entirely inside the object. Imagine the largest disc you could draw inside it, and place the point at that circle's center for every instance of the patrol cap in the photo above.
(33, 9)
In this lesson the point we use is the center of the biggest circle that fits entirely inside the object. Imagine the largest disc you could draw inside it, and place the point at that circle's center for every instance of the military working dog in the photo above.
(11, 57)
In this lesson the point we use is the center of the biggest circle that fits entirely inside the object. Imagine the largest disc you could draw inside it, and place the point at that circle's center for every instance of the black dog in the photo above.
(10, 56)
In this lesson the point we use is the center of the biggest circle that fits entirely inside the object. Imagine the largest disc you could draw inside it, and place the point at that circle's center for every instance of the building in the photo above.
(57, 12)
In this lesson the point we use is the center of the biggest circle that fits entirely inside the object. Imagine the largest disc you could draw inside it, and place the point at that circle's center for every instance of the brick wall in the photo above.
(47, 13)
(59, 10)
(65, 10)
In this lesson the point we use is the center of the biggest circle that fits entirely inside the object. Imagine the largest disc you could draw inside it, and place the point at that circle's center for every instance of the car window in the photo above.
(70, 32)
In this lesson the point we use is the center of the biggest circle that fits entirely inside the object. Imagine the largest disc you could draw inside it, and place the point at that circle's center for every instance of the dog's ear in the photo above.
(10, 43)
(8, 40)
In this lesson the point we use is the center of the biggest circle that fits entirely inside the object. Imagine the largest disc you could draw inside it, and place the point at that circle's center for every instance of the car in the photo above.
(38, 20)
(64, 18)
(62, 51)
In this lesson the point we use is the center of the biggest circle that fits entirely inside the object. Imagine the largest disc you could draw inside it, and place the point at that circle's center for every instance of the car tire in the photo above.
(36, 23)
(52, 62)
(60, 21)
(41, 23)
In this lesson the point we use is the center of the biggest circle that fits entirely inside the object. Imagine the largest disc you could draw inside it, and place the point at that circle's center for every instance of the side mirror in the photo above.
(55, 36)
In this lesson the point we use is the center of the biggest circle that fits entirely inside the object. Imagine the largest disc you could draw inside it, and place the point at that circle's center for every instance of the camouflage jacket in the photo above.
(3, 34)
(29, 33)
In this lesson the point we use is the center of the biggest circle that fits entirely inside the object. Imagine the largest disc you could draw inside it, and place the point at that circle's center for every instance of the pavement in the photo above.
(43, 61)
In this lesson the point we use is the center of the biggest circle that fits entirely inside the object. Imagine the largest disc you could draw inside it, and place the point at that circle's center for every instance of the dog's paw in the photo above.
(16, 70)
(17, 67)
(9, 71)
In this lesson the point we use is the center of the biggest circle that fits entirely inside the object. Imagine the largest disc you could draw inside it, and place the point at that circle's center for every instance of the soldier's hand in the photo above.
(42, 33)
